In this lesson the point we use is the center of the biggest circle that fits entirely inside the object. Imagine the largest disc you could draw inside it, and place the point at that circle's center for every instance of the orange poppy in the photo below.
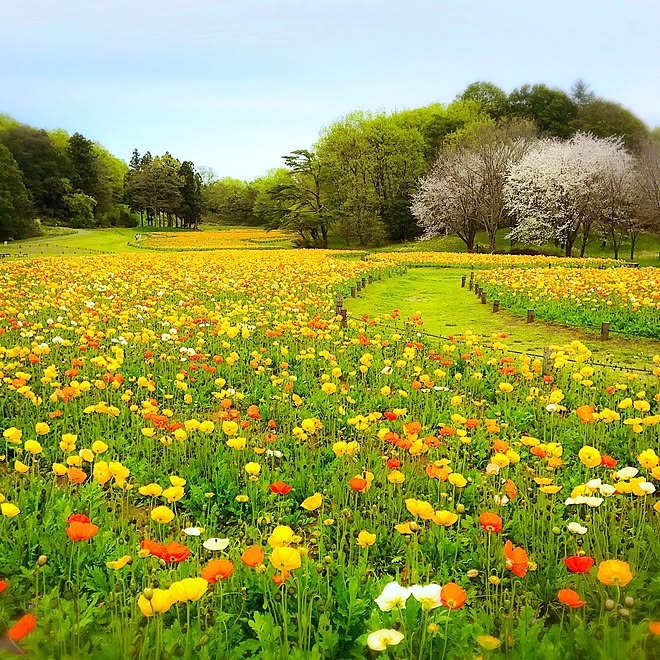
(517, 560)
(253, 556)
(23, 627)
(76, 475)
(358, 483)
(579, 563)
(510, 488)
(217, 569)
(3, 585)
(81, 531)
(174, 552)
(570, 598)
(280, 488)
(491, 522)
(586, 414)
(452, 596)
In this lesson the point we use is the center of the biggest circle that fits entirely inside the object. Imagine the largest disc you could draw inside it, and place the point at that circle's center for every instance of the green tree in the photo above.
(81, 209)
(15, 206)
(552, 110)
(490, 98)
(607, 119)
(190, 202)
(230, 201)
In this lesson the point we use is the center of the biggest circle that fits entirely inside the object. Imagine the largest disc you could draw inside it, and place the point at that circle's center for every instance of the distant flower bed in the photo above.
(627, 298)
(215, 240)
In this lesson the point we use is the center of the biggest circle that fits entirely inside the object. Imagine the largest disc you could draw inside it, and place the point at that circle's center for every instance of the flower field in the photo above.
(215, 240)
(627, 298)
(199, 460)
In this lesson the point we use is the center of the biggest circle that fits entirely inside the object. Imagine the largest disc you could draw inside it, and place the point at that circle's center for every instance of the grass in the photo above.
(448, 309)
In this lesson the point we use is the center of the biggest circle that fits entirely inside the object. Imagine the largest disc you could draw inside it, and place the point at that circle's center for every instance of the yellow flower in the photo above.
(236, 443)
(173, 493)
(282, 536)
(457, 479)
(488, 642)
(9, 510)
(506, 387)
(647, 459)
(550, 490)
(329, 388)
(285, 559)
(313, 502)
(102, 472)
(589, 456)
(59, 469)
(99, 447)
(365, 539)
(252, 468)
(161, 600)
(150, 490)
(86, 455)
(12, 435)
(396, 477)
(420, 509)
(613, 572)
(32, 447)
(189, 589)
(41, 428)
(242, 498)
(177, 481)
(229, 428)
(119, 563)
(162, 515)
(21, 468)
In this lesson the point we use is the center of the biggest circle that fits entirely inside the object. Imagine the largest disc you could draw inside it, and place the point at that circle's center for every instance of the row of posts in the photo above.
(481, 294)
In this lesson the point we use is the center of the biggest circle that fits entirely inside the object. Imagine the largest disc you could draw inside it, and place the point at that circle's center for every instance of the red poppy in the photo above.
(607, 461)
(217, 569)
(394, 463)
(253, 556)
(175, 552)
(23, 627)
(579, 564)
(77, 517)
(570, 598)
(81, 531)
(491, 522)
(358, 483)
(452, 596)
(3, 585)
(517, 560)
(154, 549)
(390, 415)
(280, 488)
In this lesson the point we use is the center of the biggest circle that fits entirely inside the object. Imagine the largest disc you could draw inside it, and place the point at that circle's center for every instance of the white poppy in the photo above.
(576, 528)
(193, 531)
(381, 639)
(393, 597)
(216, 544)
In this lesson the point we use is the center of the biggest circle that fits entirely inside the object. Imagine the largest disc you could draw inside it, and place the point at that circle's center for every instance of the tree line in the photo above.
(366, 179)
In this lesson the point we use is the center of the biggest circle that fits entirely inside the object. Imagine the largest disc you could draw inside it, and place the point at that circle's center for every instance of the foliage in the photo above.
(15, 204)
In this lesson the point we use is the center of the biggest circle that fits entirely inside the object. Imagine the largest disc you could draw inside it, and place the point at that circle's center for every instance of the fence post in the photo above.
(339, 303)
(530, 316)
(463, 281)
(496, 305)
(547, 359)
(342, 313)
(371, 279)
(483, 298)
(605, 331)
(353, 292)
(471, 283)
(358, 286)
(364, 282)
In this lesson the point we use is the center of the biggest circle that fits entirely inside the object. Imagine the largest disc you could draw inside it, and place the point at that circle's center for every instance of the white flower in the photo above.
(576, 528)
(274, 453)
(193, 531)
(607, 490)
(627, 473)
(492, 468)
(552, 407)
(393, 597)
(501, 500)
(215, 544)
(381, 639)
(386, 370)
(647, 487)
(593, 502)
(594, 484)
(428, 596)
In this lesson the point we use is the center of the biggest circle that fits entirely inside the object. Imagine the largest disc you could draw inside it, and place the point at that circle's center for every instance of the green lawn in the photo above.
(448, 309)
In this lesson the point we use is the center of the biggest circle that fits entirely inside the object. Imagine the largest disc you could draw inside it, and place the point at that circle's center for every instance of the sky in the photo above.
(235, 85)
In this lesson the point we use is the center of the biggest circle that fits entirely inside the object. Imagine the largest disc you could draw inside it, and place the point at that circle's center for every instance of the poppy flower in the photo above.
(517, 560)
(3, 585)
(81, 531)
(312, 502)
(578, 564)
(613, 572)
(452, 596)
(174, 552)
(188, 589)
(285, 559)
(215, 544)
(491, 522)
(217, 569)
(280, 488)
(161, 600)
(358, 483)
(607, 461)
(23, 627)
(154, 549)
(570, 598)
(253, 556)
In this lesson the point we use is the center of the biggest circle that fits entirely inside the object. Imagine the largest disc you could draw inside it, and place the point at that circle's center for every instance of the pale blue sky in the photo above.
(235, 85)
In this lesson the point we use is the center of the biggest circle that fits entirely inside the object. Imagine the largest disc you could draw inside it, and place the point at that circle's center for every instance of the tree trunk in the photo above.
(493, 238)
(324, 234)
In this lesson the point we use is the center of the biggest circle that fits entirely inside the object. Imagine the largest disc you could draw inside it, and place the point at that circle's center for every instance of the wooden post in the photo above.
(342, 313)
(379, 276)
(463, 281)
(339, 303)
(471, 283)
(605, 331)
(547, 361)
(353, 292)
(530, 316)
(371, 279)
(496, 305)
(364, 282)
(483, 298)
(358, 286)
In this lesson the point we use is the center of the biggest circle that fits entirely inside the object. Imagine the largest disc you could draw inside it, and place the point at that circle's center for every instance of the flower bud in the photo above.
(148, 593)
(472, 573)
(42, 560)
(628, 601)
(460, 508)
(556, 531)
(609, 604)
(624, 612)
(413, 526)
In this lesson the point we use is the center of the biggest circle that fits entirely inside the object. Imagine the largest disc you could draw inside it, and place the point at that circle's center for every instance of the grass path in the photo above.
(447, 309)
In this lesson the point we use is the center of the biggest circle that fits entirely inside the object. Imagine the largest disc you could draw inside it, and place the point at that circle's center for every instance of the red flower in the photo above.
(390, 415)
(570, 598)
(358, 483)
(154, 549)
(77, 517)
(3, 585)
(280, 488)
(491, 522)
(23, 627)
(517, 560)
(217, 569)
(394, 463)
(607, 461)
(81, 531)
(175, 552)
(579, 564)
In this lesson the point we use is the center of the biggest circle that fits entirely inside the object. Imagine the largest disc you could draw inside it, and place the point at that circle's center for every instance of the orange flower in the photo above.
(174, 552)
(358, 483)
(218, 569)
(586, 414)
(81, 531)
(253, 556)
(76, 475)
(613, 572)
(491, 522)
(452, 596)
(3, 585)
(510, 488)
(23, 627)
(654, 628)
(517, 560)
(570, 598)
